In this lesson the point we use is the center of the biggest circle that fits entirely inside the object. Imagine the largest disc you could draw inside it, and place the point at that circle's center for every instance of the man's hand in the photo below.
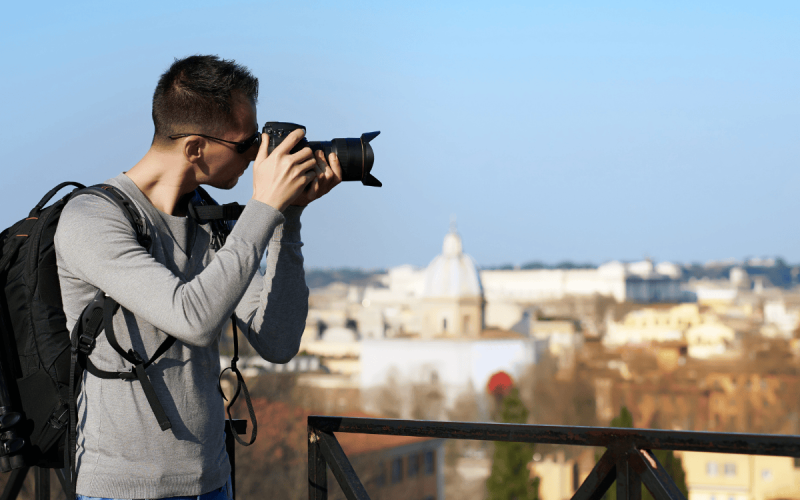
(280, 177)
(329, 174)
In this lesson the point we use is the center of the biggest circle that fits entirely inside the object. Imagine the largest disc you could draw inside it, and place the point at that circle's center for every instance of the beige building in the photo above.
(703, 332)
(717, 476)
(560, 477)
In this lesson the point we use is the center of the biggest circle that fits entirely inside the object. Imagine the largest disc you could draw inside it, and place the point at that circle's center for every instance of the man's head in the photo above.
(200, 94)
(204, 108)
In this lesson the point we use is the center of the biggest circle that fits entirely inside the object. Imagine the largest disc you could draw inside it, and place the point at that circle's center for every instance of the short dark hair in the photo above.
(198, 93)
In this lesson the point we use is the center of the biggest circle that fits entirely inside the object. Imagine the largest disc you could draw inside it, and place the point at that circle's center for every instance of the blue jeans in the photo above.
(222, 493)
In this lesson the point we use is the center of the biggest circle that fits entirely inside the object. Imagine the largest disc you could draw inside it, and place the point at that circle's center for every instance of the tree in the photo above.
(510, 478)
(672, 464)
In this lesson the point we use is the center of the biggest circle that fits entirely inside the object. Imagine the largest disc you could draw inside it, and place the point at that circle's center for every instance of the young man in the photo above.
(206, 132)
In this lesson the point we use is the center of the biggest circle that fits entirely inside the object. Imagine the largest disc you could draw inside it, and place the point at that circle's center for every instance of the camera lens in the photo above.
(356, 156)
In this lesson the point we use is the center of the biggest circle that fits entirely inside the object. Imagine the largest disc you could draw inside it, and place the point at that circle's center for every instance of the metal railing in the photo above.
(627, 458)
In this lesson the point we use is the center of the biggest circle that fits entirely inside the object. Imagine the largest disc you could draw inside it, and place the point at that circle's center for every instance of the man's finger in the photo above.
(309, 178)
(262, 150)
(309, 164)
(316, 188)
(333, 161)
(290, 141)
(302, 155)
(321, 165)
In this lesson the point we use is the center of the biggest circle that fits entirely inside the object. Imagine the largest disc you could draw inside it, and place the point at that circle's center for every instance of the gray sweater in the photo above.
(186, 290)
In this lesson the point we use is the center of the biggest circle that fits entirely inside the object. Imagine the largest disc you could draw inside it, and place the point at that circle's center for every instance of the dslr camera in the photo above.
(355, 155)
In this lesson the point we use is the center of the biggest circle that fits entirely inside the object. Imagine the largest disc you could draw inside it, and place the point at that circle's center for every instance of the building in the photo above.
(509, 292)
(703, 333)
(393, 467)
(717, 476)
(442, 369)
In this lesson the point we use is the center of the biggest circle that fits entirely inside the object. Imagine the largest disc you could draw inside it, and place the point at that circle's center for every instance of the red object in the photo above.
(500, 384)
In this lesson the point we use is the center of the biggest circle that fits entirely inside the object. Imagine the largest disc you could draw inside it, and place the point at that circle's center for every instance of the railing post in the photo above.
(340, 466)
(42, 483)
(629, 482)
(317, 468)
(239, 427)
(654, 476)
(599, 479)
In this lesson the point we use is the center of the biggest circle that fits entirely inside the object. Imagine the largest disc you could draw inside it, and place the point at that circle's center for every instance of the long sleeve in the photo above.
(97, 245)
(274, 308)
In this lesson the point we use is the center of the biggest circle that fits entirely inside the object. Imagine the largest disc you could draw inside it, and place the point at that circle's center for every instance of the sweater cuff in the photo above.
(257, 224)
(289, 231)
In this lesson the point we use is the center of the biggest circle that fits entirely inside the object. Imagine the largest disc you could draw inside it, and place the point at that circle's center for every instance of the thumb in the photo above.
(262, 151)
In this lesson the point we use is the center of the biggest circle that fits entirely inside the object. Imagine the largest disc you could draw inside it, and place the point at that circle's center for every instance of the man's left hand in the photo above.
(329, 174)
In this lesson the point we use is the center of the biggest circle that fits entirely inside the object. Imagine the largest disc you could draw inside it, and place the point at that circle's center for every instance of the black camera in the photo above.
(355, 155)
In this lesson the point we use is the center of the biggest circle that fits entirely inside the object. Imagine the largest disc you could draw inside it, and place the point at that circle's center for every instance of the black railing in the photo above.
(627, 458)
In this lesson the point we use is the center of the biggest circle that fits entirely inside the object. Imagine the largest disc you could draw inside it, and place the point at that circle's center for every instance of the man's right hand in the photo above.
(281, 176)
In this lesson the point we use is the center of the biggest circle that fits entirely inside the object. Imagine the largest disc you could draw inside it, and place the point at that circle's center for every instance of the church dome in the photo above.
(452, 274)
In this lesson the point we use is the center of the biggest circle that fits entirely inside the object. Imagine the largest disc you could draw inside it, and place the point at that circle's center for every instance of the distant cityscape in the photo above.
(713, 346)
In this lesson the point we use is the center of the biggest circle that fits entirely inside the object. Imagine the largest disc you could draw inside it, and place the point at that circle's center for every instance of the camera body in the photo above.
(355, 155)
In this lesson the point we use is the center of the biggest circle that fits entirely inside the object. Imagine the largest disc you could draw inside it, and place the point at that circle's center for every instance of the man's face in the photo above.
(225, 165)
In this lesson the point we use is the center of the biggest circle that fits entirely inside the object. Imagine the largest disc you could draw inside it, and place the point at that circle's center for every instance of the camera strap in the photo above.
(240, 386)
(228, 211)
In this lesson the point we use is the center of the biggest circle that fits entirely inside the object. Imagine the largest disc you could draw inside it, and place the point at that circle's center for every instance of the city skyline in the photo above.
(577, 132)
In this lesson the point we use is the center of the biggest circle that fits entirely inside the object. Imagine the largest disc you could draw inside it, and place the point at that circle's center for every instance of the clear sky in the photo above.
(587, 131)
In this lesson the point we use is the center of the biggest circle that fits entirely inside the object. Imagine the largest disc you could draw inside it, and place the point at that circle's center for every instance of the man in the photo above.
(206, 132)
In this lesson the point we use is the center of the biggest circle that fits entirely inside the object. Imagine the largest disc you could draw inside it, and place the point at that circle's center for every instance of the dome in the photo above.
(452, 274)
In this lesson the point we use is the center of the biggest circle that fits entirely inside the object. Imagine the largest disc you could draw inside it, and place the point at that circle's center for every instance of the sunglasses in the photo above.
(241, 147)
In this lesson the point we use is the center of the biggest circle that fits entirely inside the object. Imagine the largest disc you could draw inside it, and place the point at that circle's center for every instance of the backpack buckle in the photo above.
(59, 420)
(86, 343)
(136, 356)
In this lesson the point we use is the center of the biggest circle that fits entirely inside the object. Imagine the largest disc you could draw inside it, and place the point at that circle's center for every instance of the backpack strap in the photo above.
(39, 206)
(125, 204)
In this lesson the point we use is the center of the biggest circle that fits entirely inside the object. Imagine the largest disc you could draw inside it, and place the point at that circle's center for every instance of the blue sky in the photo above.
(552, 131)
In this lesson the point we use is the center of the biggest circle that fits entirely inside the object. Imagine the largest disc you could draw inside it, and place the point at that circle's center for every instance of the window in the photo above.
(730, 469)
(712, 469)
(766, 474)
(397, 470)
(430, 463)
(444, 324)
(413, 465)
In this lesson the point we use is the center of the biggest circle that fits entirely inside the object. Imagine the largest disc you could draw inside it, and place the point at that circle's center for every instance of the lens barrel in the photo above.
(356, 156)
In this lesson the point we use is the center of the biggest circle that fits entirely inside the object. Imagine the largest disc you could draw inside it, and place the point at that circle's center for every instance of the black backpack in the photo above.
(37, 380)
(41, 363)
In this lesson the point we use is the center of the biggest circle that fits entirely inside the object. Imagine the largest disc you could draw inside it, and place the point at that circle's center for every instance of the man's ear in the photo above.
(193, 149)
